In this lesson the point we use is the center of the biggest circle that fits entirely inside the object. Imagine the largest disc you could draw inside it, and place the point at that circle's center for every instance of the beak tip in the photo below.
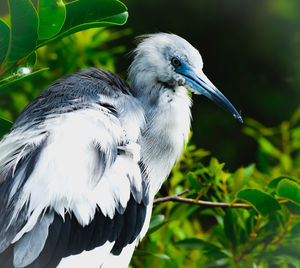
(239, 118)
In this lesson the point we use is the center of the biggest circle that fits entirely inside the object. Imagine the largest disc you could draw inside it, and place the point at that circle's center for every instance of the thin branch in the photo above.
(177, 198)
(200, 202)
(169, 198)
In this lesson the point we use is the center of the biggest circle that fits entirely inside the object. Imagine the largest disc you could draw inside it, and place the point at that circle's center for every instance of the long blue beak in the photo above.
(201, 84)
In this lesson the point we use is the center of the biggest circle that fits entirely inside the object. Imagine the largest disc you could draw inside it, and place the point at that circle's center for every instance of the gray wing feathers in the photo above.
(28, 248)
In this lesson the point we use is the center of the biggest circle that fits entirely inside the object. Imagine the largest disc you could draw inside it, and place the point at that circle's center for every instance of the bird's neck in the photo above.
(167, 112)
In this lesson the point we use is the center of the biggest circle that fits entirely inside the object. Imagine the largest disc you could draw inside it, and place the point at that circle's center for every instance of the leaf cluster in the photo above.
(265, 235)
(31, 25)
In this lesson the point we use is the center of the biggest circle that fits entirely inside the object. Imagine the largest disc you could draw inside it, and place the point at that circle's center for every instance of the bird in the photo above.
(82, 163)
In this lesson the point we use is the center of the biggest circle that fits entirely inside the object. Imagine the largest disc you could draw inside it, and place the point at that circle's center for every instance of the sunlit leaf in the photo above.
(52, 14)
(261, 201)
(290, 190)
(5, 125)
(4, 40)
(24, 27)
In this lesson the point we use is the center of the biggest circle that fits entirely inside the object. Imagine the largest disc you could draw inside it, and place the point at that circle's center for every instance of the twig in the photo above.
(169, 198)
(176, 198)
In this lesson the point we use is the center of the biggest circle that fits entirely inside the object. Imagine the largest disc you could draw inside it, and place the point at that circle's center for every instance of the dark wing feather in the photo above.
(129, 231)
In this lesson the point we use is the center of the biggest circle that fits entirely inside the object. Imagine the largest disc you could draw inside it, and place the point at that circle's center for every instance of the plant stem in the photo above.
(251, 239)
(177, 198)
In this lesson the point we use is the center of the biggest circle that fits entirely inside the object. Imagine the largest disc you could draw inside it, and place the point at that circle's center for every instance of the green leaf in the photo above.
(139, 252)
(264, 203)
(193, 181)
(118, 19)
(248, 171)
(5, 125)
(94, 10)
(290, 190)
(156, 223)
(156, 220)
(4, 40)
(24, 29)
(22, 74)
(238, 178)
(52, 15)
(274, 183)
(85, 14)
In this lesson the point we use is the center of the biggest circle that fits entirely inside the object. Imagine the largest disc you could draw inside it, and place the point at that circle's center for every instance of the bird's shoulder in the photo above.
(91, 82)
(94, 89)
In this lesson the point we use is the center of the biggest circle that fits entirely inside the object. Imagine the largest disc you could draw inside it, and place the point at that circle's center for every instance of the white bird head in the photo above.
(169, 60)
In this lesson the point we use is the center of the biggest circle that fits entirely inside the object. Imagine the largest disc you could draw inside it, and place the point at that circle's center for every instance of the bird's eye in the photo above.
(175, 62)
